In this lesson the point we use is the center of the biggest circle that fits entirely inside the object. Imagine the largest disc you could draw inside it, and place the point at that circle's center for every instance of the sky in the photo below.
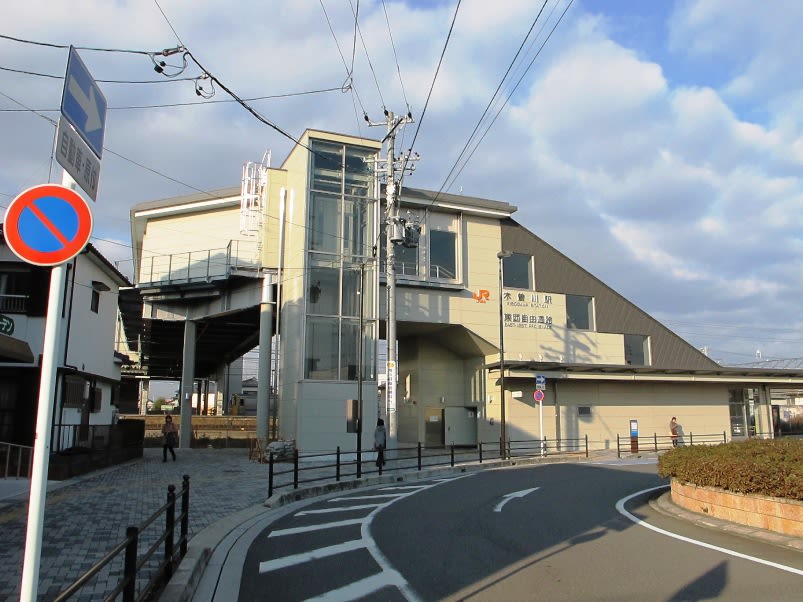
(657, 144)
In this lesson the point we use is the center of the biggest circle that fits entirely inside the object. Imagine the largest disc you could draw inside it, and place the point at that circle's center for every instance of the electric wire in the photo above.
(101, 81)
(431, 88)
(491, 101)
(499, 112)
(365, 48)
(349, 82)
(395, 56)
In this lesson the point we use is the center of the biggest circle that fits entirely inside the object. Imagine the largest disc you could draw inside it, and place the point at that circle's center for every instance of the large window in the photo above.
(442, 255)
(579, 312)
(341, 237)
(637, 350)
(517, 271)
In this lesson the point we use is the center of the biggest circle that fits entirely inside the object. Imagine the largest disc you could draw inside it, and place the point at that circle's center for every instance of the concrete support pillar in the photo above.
(764, 413)
(263, 373)
(144, 385)
(187, 378)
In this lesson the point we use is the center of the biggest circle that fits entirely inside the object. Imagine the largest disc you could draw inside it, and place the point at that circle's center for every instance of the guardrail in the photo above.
(353, 463)
(16, 460)
(137, 569)
(656, 443)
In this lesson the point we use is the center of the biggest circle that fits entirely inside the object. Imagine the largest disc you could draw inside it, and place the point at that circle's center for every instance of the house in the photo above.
(88, 367)
(498, 334)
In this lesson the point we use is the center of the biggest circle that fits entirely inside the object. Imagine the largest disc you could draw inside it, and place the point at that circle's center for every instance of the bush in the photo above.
(771, 467)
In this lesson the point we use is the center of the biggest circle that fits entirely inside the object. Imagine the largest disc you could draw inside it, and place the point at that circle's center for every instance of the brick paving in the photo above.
(89, 515)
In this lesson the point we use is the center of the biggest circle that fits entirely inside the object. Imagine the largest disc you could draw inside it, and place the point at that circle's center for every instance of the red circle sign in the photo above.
(47, 224)
(538, 395)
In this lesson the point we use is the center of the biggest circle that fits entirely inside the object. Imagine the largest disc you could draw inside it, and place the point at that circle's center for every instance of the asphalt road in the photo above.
(551, 532)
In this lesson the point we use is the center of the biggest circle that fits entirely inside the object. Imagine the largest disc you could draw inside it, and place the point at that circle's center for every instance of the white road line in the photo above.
(339, 509)
(311, 528)
(364, 497)
(294, 559)
(361, 588)
(403, 487)
(620, 506)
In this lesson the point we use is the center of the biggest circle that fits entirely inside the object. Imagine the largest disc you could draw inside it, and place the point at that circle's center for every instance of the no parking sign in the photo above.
(48, 224)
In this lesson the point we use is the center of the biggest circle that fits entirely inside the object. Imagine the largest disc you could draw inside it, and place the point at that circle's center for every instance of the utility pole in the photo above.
(394, 235)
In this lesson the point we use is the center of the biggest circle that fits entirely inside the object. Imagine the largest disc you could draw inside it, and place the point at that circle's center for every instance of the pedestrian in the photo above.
(673, 428)
(170, 435)
(380, 442)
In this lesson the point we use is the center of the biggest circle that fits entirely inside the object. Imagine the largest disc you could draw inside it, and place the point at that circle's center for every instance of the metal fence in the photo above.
(145, 573)
(16, 461)
(656, 443)
(345, 464)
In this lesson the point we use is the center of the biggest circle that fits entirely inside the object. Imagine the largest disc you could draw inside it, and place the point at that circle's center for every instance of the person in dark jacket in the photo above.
(380, 442)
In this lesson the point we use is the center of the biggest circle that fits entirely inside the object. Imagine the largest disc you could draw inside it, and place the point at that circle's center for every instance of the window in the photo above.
(637, 350)
(322, 349)
(517, 271)
(94, 304)
(584, 411)
(442, 254)
(579, 312)
(342, 202)
(15, 283)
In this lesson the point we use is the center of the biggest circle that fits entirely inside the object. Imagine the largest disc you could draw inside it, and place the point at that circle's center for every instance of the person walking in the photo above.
(673, 428)
(380, 442)
(170, 435)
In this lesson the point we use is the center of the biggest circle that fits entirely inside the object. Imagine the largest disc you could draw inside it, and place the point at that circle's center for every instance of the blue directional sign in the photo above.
(540, 382)
(83, 104)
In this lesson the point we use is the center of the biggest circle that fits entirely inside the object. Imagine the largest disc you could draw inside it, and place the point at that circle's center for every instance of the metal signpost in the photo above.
(46, 225)
(540, 385)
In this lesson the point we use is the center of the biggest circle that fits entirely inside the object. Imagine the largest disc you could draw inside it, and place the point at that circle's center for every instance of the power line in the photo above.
(491, 101)
(395, 56)
(100, 81)
(431, 88)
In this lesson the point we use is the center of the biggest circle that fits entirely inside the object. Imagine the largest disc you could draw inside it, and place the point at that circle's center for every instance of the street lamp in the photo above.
(501, 255)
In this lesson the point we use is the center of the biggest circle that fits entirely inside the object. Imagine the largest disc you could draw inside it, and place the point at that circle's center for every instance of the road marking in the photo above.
(507, 497)
(364, 497)
(311, 528)
(620, 506)
(340, 509)
(294, 559)
(363, 587)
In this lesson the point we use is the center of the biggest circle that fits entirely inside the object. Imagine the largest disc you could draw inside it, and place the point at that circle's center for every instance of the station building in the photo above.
(489, 317)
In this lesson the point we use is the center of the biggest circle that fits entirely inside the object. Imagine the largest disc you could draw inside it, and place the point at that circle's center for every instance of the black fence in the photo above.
(355, 464)
(144, 574)
(656, 443)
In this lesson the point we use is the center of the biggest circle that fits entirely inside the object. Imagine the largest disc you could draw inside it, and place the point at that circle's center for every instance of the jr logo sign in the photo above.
(481, 296)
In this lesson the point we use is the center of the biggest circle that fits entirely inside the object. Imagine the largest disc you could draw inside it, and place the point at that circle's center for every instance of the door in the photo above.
(460, 426)
(433, 427)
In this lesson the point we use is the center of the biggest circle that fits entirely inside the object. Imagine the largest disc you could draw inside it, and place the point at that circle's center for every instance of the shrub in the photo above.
(771, 467)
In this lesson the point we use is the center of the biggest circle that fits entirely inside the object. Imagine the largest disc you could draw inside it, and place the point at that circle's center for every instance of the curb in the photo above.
(667, 507)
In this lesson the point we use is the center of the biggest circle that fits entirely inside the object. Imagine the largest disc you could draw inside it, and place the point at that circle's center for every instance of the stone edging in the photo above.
(770, 513)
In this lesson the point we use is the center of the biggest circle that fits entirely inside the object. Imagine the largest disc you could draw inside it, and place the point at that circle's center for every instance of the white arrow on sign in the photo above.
(88, 104)
(510, 496)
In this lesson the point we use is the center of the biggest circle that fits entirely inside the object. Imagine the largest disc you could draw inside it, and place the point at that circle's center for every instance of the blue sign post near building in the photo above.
(83, 104)
(82, 127)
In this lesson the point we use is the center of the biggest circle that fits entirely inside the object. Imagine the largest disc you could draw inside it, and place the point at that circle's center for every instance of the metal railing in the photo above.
(147, 570)
(356, 464)
(201, 265)
(13, 304)
(16, 460)
(656, 443)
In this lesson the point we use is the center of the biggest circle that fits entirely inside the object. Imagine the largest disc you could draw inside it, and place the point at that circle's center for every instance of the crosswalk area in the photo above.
(326, 551)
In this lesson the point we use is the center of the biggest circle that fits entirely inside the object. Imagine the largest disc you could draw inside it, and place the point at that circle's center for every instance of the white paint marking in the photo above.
(339, 509)
(364, 497)
(294, 559)
(362, 588)
(311, 528)
(620, 506)
(509, 496)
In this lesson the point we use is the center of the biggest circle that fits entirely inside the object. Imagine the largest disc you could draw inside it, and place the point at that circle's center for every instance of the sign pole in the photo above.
(41, 447)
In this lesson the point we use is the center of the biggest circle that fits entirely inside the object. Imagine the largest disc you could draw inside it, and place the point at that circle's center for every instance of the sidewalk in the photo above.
(86, 516)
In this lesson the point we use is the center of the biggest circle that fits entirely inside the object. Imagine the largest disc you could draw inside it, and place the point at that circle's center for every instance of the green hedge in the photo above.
(771, 467)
